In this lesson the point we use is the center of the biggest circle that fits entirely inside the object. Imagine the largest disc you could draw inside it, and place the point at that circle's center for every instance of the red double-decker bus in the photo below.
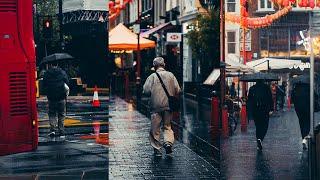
(18, 114)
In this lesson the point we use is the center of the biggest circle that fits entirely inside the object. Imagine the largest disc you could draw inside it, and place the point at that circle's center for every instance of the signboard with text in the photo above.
(174, 37)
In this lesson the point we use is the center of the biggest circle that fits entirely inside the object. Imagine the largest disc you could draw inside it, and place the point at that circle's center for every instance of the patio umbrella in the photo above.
(56, 57)
(259, 76)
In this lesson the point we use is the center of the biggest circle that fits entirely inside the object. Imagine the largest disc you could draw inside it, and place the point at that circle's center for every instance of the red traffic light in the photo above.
(47, 24)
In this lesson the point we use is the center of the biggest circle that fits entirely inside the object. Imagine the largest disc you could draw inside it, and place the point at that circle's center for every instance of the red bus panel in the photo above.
(18, 113)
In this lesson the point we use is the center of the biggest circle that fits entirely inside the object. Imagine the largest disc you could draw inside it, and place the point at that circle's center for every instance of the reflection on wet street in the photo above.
(131, 156)
(282, 156)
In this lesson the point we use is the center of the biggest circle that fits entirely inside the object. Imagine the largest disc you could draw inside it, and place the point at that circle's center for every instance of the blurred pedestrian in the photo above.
(300, 96)
(281, 93)
(55, 82)
(260, 104)
(274, 95)
(160, 111)
(233, 90)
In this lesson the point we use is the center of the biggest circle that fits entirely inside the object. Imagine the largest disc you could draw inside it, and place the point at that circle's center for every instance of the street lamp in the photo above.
(138, 79)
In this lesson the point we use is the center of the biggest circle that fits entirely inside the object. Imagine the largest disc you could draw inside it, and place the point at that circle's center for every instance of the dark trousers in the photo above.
(57, 111)
(261, 120)
(304, 121)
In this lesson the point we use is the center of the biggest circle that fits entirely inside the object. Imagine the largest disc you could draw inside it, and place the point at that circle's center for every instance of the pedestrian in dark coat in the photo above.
(260, 104)
(55, 82)
(301, 99)
(233, 90)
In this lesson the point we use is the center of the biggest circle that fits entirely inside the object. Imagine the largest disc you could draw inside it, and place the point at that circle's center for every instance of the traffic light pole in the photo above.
(138, 80)
(60, 26)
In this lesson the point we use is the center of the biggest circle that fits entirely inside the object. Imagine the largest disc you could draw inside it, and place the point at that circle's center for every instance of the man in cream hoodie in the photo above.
(160, 111)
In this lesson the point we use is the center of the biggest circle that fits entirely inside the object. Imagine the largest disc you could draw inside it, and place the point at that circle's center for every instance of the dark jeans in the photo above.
(304, 121)
(57, 111)
(261, 120)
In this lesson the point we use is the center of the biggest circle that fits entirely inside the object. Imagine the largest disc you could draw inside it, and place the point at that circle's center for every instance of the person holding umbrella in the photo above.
(260, 103)
(300, 96)
(55, 83)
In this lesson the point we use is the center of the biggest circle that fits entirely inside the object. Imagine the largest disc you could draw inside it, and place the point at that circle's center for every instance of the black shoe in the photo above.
(259, 144)
(168, 148)
(52, 134)
(157, 152)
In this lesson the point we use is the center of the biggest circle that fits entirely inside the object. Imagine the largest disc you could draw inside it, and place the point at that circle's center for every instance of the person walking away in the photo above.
(233, 90)
(281, 93)
(274, 95)
(300, 96)
(260, 104)
(55, 82)
(160, 111)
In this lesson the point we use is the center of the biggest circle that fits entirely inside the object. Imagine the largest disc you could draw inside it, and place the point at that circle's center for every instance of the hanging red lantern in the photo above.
(304, 3)
(285, 3)
(318, 3)
(311, 4)
(111, 4)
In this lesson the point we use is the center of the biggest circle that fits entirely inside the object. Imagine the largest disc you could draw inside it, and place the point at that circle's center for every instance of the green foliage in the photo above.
(46, 8)
(204, 41)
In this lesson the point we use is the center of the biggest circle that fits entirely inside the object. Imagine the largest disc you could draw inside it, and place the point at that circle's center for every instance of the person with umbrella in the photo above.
(55, 83)
(300, 96)
(260, 104)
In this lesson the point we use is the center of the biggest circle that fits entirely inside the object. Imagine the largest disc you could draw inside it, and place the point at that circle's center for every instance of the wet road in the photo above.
(78, 156)
(282, 156)
(131, 156)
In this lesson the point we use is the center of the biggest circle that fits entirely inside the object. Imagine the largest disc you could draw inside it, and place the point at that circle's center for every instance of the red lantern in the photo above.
(318, 3)
(285, 3)
(304, 3)
(111, 4)
(311, 3)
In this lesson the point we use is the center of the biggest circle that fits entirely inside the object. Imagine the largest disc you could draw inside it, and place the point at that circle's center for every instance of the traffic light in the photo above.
(47, 28)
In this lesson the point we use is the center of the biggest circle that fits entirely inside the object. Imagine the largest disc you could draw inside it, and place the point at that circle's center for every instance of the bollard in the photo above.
(289, 103)
(225, 122)
(244, 118)
(215, 116)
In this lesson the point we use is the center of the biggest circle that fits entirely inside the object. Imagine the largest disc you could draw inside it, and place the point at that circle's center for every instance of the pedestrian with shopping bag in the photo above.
(163, 89)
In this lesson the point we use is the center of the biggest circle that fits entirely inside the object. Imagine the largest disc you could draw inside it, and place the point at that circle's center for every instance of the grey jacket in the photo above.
(152, 88)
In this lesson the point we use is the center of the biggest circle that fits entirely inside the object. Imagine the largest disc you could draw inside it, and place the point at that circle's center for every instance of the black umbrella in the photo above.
(56, 58)
(304, 79)
(259, 76)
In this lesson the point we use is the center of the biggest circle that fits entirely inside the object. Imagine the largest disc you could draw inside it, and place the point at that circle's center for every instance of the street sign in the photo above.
(248, 35)
(174, 37)
(136, 28)
(248, 46)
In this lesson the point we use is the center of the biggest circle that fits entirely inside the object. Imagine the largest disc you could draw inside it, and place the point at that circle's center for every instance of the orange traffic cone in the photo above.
(95, 102)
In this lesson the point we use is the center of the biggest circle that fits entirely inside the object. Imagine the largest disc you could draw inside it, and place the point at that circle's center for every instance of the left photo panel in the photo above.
(55, 93)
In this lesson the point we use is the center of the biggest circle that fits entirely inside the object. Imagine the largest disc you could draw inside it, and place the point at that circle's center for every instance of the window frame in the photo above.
(231, 42)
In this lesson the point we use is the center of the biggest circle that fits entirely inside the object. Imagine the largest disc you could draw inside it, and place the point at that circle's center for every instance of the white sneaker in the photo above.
(305, 144)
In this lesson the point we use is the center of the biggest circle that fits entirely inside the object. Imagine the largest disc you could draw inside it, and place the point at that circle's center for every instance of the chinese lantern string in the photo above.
(257, 22)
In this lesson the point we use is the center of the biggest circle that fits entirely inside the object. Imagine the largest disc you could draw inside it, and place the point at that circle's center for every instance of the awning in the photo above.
(154, 30)
(275, 64)
(212, 78)
(121, 38)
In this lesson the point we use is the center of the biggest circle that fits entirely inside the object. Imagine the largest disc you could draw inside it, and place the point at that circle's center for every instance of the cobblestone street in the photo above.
(131, 156)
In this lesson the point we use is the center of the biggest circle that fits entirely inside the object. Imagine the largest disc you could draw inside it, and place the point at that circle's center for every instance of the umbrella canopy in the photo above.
(121, 38)
(274, 64)
(304, 79)
(234, 66)
(56, 57)
(259, 76)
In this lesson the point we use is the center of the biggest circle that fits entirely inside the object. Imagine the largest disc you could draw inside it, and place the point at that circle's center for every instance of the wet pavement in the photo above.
(131, 156)
(125, 152)
(282, 156)
(81, 155)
